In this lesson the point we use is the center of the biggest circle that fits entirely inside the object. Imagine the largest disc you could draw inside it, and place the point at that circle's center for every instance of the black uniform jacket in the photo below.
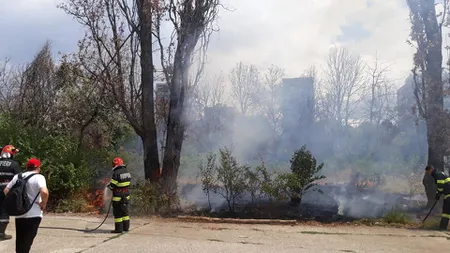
(8, 168)
(442, 182)
(120, 181)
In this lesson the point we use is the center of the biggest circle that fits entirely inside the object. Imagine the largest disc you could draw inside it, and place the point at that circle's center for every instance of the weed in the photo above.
(396, 217)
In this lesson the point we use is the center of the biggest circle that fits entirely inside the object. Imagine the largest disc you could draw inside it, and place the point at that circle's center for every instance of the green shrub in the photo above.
(146, 198)
(230, 178)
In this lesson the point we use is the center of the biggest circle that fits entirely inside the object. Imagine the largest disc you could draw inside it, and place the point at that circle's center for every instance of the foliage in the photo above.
(207, 174)
(304, 174)
(230, 178)
(75, 203)
(146, 198)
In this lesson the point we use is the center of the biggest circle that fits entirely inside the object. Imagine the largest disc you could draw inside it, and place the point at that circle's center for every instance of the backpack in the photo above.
(16, 201)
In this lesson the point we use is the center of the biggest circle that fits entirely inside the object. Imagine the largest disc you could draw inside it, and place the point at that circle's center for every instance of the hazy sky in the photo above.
(292, 34)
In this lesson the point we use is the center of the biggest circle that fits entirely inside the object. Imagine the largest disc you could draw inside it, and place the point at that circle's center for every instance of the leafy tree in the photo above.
(231, 178)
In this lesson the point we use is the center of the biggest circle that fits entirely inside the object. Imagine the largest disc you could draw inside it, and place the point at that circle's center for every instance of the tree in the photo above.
(245, 87)
(192, 23)
(210, 92)
(426, 36)
(377, 106)
(304, 175)
(345, 78)
(271, 97)
(117, 52)
(208, 176)
(231, 178)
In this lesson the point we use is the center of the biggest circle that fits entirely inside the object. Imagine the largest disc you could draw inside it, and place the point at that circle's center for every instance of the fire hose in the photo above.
(106, 217)
(430, 211)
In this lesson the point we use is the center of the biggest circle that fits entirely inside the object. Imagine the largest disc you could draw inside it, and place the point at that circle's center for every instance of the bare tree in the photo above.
(117, 51)
(270, 99)
(378, 104)
(210, 92)
(345, 77)
(245, 87)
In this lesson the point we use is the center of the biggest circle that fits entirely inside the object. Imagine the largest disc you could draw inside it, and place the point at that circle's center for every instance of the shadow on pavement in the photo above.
(98, 231)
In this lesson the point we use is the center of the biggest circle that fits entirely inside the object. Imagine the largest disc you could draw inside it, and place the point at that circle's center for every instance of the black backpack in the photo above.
(16, 201)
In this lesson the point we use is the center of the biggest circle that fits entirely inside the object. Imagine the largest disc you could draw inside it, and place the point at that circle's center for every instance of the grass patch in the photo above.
(396, 217)
(432, 223)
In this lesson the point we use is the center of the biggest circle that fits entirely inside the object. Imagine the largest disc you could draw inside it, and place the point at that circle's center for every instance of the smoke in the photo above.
(390, 147)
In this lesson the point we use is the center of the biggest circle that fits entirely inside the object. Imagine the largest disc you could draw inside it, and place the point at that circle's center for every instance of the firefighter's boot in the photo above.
(444, 223)
(3, 235)
(118, 228)
(126, 225)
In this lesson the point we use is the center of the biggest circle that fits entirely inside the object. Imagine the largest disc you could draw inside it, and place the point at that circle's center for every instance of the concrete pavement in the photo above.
(62, 234)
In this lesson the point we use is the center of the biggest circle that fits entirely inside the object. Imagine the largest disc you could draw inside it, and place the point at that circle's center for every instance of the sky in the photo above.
(293, 34)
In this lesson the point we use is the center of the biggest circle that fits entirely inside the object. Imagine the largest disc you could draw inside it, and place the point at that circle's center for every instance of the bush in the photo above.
(66, 170)
(146, 198)
(304, 174)
(208, 176)
(75, 203)
(231, 178)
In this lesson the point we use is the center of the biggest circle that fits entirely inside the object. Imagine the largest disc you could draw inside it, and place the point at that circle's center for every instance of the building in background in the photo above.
(297, 108)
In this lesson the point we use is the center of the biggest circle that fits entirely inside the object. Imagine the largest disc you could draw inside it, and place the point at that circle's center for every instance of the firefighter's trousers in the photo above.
(445, 214)
(121, 214)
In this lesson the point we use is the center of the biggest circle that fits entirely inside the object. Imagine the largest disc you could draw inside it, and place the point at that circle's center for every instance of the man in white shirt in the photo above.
(27, 224)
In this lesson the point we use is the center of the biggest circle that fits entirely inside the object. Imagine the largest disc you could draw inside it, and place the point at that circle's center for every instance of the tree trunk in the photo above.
(151, 160)
(148, 136)
(434, 90)
(175, 126)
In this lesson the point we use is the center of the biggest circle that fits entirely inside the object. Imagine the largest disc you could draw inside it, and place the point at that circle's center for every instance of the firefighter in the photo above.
(8, 168)
(120, 181)
(443, 187)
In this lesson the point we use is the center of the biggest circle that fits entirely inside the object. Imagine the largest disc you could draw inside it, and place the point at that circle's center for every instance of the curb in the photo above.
(236, 221)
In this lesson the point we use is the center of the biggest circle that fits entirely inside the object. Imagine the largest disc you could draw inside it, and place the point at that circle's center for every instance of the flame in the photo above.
(96, 199)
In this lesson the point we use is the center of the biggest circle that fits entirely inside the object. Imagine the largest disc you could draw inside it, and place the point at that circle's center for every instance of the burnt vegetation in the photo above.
(335, 142)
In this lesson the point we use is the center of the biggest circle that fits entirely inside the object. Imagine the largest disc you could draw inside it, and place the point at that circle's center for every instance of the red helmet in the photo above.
(9, 150)
(117, 161)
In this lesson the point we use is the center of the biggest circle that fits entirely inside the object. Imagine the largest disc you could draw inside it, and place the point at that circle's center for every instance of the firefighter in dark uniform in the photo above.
(120, 181)
(443, 188)
(8, 168)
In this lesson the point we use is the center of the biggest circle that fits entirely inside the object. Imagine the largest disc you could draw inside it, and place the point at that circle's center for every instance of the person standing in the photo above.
(27, 224)
(8, 168)
(120, 181)
(443, 188)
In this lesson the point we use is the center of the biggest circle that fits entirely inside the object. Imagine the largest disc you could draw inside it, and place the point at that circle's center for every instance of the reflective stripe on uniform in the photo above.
(123, 184)
(116, 198)
(118, 220)
(126, 218)
(446, 196)
(444, 215)
(447, 180)
(440, 189)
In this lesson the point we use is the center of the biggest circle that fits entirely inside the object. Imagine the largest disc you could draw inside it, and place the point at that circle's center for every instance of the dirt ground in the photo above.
(64, 234)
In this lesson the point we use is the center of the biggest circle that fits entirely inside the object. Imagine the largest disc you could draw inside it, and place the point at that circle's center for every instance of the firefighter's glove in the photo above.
(438, 196)
(109, 186)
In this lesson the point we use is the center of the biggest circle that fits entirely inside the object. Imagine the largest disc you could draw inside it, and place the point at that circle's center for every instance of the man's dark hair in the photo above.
(429, 167)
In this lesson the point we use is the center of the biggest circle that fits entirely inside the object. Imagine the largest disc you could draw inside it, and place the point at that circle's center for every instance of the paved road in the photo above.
(61, 234)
